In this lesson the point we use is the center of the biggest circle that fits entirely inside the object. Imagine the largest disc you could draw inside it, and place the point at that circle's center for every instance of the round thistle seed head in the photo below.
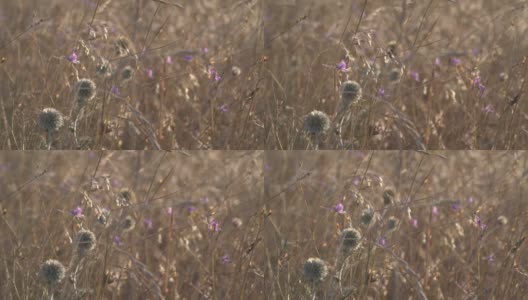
(395, 75)
(125, 197)
(103, 69)
(350, 91)
(388, 196)
(127, 73)
(236, 71)
(350, 239)
(85, 241)
(315, 270)
(392, 223)
(84, 90)
(50, 119)
(102, 217)
(316, 122)
(367, 217)
(52, 272)
(502, 220)
(128, 223)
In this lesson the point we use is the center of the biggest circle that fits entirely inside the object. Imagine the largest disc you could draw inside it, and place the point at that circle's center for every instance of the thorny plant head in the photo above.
(52, 272)
(367, 217)
(315, 270)
(128, 223)
(85, 241)
(316, 123)
(84, 91)
(127, 73)
(50, 119)
(350, 239)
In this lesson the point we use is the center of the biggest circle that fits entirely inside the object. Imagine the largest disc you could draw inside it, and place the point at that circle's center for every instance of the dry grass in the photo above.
(441, 108)
(164, 256)
(285, 202)
(447, 255)
(287, 52)
(174, 104)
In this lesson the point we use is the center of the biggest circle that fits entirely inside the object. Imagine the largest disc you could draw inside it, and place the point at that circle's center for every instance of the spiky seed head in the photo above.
(502, 220)
(103, 69)
(315, 270)
(102, 217)
(316, 122)
(367, 217)
(236, 71)
(350, 239)
(122, 46)
(128, 223)
(52, 272)
(84, 90)
(126, 196)
(50, 119)
(127, 73)
(392, 48)
(392, 223)
(395, 75)
(388, 196)
(85, 241)
(351, 91)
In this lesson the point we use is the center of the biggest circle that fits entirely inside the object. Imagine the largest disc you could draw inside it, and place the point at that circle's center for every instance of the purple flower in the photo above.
(73, 58)
(456, 61)
(437, 61)
(225, 259)
(415, 75)
(169, 210)
(480, 223)
(205, 50)
(148, 223)
(168, 60)
(455, 206)
(117, 240)
(477, 83)
(414, 222)
(188, 57)
(214, 225)
(339, 208)
(490, 258)
(191, 209)
(150, 73)
(77, 212)
(435, 210)
(341, 66)
(223, 108)
(115, 91)
(488, 109)
(381, 92)
(382, 241)
(470, 199)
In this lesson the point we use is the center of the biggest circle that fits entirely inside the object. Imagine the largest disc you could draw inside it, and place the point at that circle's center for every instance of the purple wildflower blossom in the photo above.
(414, 222)
(148, 223)
(115, 91)
(150, 73)
(470, 199)
(339, 208)
(205, 50)
(490, 258)
(188, 57)
(455, 206)
(77, 212)
(73, 58)
(382, 241)
(480, 223)
(435, 210)
(191, 209)
(214, 225)
(168, 60)
(117, 240)
(456, 61)
(415, 76)
(225, 259)
(488, 109)
(341, 66)
(381, 92)
(223, 108)
(437, 61)
(477, 83)
(169, 210)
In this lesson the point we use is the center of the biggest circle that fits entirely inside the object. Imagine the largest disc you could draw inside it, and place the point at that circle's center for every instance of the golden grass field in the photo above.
(237, 74)
(241, 225)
